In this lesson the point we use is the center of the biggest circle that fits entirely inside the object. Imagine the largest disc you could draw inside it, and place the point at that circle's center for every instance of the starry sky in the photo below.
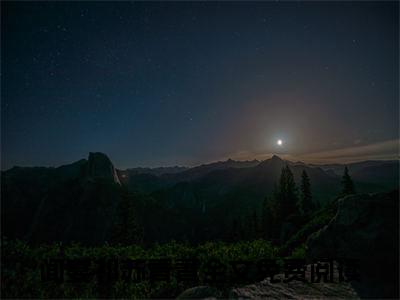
(183, 83)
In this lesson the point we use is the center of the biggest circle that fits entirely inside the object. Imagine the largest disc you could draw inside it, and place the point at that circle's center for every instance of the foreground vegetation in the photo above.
(22, 262)
(21, 275)
(287, 219)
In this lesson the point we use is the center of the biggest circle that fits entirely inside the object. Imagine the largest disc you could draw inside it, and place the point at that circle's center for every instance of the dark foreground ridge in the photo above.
(365, 228)
(112, 211)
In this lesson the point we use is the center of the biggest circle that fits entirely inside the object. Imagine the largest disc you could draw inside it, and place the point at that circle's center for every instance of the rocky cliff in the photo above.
(99, 166)
(366, 228)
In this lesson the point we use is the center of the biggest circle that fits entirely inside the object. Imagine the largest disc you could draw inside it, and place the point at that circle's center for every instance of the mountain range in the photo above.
(79, 201)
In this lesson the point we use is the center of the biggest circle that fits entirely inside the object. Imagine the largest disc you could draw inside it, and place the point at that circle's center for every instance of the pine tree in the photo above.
(347, 183)
(255, 225)
(287, 195)
(282, 205)
(269, 220)
(306, 204)
(126, 230)
(237, 231)
(248, 228)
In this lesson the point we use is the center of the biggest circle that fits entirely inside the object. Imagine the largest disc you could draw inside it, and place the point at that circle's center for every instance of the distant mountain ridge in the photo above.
(384, 173)
(197, 171)
(158, 171)
(354, 167)
(79, 201)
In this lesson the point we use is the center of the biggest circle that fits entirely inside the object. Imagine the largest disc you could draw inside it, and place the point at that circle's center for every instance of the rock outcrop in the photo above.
(294, 290)
(366, 228)
(201, 292)
(99, 166)
(267, 290)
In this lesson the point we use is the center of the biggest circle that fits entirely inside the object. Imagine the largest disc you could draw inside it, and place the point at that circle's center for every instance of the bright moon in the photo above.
(279, 142)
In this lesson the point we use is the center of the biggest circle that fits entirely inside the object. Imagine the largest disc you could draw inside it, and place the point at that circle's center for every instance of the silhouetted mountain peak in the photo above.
(276, 158)
(275, 162)
(100, 166)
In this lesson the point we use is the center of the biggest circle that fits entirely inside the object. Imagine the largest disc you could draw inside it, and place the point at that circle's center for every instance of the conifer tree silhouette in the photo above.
(306, 204)
(347, 183)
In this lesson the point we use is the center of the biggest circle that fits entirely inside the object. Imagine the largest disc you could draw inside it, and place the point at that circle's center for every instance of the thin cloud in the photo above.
(378, 151)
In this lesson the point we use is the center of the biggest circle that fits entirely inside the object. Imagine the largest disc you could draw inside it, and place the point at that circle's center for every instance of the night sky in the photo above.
(184, 83)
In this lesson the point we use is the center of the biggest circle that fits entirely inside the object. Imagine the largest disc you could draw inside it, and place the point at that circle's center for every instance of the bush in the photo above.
(21, 276)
